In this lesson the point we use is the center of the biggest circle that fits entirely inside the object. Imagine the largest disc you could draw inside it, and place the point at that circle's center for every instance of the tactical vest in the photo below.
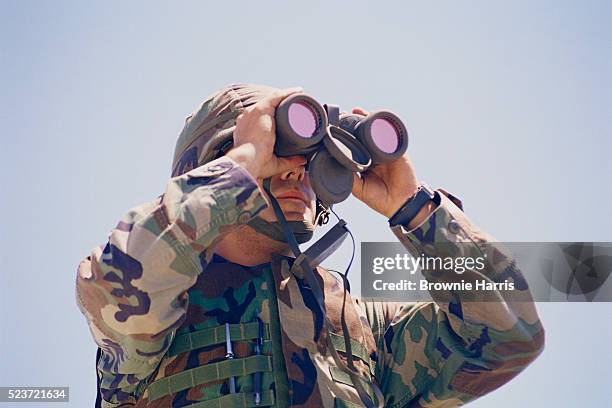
(293, 364)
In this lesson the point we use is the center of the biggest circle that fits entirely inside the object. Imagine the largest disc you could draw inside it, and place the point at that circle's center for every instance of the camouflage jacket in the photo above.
(157, 299)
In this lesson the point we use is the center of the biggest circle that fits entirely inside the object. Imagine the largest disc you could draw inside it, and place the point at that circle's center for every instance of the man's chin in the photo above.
(304, 215)
(296, 216)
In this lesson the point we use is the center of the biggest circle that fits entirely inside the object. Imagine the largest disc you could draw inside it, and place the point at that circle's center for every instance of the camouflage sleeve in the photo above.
(459, 347)
(132, 289)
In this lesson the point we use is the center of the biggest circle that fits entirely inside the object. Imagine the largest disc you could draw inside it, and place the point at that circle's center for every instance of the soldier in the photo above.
(196, 301)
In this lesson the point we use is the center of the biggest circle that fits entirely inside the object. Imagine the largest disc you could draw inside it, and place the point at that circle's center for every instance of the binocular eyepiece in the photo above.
(336, 145)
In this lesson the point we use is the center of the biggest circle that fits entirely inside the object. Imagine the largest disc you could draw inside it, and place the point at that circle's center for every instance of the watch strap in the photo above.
(413, 205)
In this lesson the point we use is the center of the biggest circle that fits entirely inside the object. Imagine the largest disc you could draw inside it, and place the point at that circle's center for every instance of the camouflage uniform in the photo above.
(157, 299)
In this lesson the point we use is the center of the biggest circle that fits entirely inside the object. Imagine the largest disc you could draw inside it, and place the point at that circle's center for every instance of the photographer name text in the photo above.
(457, 265)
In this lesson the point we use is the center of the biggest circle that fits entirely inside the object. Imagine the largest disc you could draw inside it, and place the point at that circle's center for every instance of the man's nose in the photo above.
(297, 174)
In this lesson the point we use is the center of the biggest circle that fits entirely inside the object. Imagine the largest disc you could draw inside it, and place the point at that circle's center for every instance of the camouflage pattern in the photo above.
(229, 293)
(459, 347)
(212, 124)
(156, 282)
(132, 290)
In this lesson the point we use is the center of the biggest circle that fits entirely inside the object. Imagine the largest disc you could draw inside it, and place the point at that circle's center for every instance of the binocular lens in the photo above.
(384, 135)
(301, 123)
(302, 119)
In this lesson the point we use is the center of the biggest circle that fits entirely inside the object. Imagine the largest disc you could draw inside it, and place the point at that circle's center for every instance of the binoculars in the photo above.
(336, 145)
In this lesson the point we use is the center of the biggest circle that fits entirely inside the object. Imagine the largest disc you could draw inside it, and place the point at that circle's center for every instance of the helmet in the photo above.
(208, 131)
(208, 134)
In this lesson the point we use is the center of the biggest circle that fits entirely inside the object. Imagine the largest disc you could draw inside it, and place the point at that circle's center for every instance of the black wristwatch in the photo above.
(413, 205)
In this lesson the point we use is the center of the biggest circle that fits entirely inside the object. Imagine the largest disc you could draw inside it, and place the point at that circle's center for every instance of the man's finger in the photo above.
(357, 185)
(274, 99)
(360, 111)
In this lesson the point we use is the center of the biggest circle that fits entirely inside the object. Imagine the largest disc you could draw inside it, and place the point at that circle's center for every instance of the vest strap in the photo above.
(357, 350)
(344, 378)
(239, 400)
(207, 373)
(216, 335)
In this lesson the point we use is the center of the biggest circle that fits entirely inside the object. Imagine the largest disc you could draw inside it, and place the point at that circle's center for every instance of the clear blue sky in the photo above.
(509, 106)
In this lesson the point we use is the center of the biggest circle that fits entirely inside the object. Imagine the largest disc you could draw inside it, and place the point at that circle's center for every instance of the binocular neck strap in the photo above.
(295, 248)
(339, 231)
(318, 251)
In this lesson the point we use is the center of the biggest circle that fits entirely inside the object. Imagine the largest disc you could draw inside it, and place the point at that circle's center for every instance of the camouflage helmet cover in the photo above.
(209, 128)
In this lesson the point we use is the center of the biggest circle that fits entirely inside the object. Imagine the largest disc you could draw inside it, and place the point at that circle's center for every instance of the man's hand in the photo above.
(386, 187)
(255, 135)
